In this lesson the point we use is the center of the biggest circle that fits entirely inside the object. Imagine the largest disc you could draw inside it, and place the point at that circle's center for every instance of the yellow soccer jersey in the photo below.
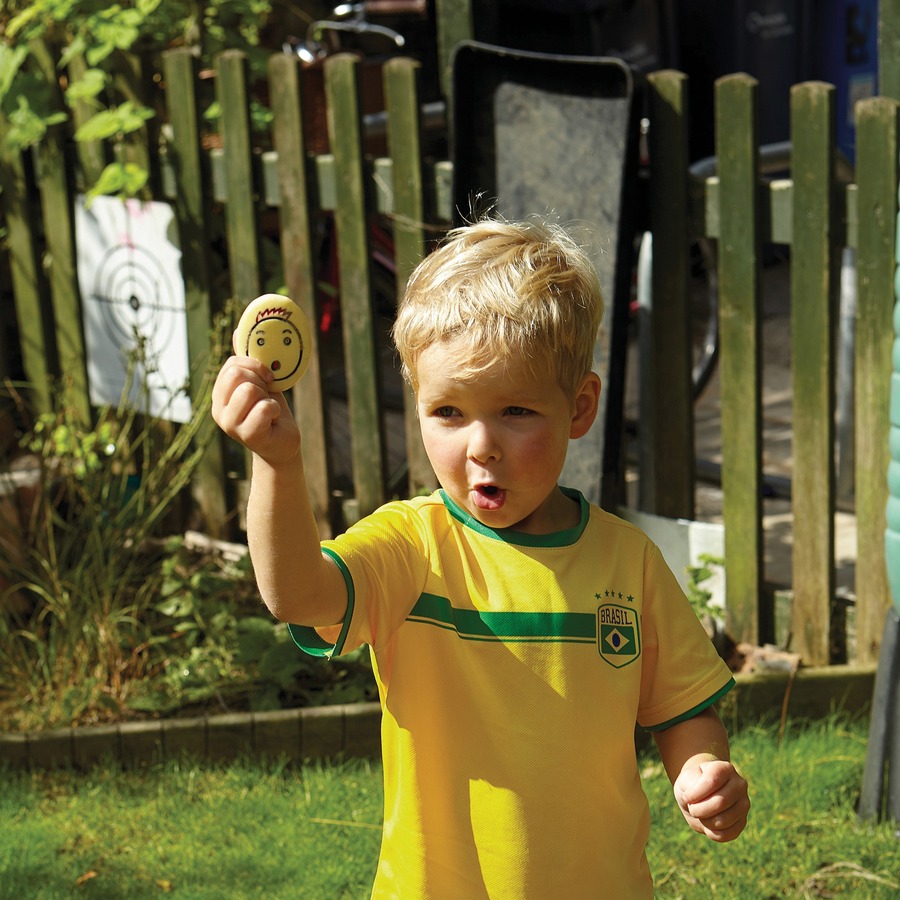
(511, 670)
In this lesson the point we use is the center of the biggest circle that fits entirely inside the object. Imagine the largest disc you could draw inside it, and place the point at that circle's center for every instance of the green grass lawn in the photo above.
(270, 831)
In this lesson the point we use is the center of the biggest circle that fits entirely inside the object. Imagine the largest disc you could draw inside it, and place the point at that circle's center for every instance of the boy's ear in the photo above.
(587, 399)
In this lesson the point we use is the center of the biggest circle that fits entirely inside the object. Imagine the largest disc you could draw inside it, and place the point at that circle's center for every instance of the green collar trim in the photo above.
(509, 536)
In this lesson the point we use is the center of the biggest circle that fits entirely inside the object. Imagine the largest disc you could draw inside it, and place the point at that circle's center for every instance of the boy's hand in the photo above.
(713, 798)
(245, 409)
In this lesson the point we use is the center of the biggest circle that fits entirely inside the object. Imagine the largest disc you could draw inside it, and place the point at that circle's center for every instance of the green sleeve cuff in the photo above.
(696, 710)
(308, 639)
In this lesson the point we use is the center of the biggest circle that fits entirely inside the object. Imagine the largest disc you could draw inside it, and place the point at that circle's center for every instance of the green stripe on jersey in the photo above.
(506, 627)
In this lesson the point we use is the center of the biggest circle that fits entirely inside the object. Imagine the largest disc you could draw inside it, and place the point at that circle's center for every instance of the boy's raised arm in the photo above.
(296, 582)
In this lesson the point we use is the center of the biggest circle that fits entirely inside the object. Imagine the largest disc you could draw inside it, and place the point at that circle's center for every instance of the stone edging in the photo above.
(355, 729)
(293, 734)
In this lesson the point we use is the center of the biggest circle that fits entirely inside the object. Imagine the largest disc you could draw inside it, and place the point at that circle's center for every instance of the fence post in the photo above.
(55, 183)
(454, 24)
(310, 409)
(401, 83)
(889, 49)
(815, 280)
(192, 214)
(35, 331)
(240, 184)
(672, 404)
(877, 180)
(740, 361)
(351, 218)
(91, 154)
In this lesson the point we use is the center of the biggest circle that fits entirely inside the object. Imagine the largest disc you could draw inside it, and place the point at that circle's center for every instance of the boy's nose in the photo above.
(483, 446)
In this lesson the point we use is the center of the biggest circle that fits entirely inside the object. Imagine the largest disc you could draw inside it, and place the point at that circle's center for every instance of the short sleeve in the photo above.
(384, 560)
(682, 672)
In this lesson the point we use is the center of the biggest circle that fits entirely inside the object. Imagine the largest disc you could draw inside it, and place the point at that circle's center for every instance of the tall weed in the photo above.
(82, 562)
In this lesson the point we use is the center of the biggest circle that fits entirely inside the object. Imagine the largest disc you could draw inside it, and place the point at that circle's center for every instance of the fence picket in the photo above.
(815, 280)
(401, 85)
(877, 179)
(35, 337)
(191, 207)
(59, 229)
(240, 177)
(671, 473)
(351, 217)
(53, 180)
(310, 409)
(91, 154)
(740, 331)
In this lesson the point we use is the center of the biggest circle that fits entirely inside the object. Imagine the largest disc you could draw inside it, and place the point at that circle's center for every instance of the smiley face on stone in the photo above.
(274, 330)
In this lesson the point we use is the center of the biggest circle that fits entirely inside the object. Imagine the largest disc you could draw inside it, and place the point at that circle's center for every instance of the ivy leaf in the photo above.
(27, 127)
(11, 59)
(23, 20)
(146, 7)
(124, 119)
(78, 47)
(213, 111)
(87, 87)
(127, 179)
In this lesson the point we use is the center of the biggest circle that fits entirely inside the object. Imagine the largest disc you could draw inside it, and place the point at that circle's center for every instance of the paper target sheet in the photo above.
(132, 292)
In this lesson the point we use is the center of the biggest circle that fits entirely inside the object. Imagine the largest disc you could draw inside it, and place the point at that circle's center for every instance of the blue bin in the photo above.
(844, 38)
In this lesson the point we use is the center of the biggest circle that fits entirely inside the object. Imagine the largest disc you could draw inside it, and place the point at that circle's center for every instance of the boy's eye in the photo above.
(516, 411)
(444, 412)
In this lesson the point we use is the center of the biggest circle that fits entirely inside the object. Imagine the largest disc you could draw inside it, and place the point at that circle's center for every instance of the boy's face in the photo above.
(497, 443)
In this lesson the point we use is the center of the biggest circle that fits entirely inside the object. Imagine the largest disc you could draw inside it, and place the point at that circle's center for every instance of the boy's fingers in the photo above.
(249, 367)
(716, 803)
(237, 371)
(707, 778)
(725, 805)
(723, 835)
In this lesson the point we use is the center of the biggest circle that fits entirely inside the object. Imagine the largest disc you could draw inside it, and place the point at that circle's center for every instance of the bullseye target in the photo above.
(136, 297)
(133, 305)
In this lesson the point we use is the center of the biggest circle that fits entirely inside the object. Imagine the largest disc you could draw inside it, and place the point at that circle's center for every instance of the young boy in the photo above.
(518, 633)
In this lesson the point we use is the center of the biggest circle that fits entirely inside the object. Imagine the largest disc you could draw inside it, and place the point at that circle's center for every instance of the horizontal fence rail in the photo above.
(245, 194)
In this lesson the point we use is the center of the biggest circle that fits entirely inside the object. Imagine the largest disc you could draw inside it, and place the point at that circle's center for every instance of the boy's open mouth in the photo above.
(488, 496)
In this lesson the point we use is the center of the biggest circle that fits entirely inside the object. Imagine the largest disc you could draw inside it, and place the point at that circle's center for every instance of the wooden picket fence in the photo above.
(810, 212)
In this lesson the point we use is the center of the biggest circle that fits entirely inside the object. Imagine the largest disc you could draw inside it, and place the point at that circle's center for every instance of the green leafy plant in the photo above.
(64, 60)
(699, 596)
(214, 647)
(83, 560)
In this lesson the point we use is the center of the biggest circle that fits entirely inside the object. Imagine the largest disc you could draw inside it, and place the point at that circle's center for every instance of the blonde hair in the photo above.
(510, 291)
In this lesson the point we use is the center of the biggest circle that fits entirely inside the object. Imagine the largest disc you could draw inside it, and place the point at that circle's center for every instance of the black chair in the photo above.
(535, 133)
